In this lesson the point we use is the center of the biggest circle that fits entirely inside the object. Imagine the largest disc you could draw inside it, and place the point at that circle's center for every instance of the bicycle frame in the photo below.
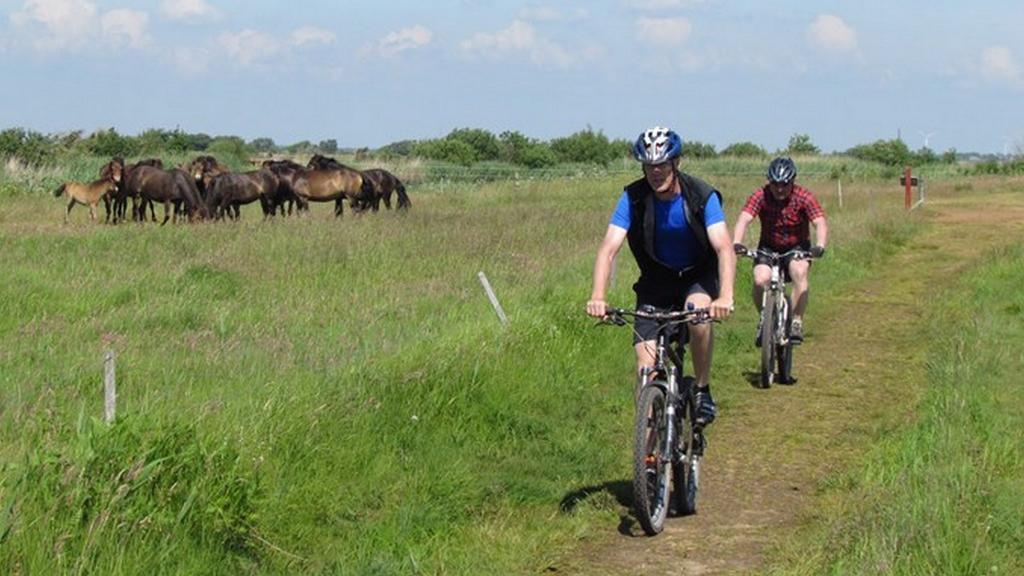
(668, 443)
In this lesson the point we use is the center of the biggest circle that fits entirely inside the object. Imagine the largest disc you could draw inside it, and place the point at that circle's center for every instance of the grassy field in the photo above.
(942, 493)
(315, 395)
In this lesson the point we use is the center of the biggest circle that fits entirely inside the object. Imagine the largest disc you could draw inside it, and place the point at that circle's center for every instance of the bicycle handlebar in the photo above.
(796, 253)
(695, 316)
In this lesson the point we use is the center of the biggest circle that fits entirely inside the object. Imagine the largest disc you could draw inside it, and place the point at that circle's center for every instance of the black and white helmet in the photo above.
(782, 170)
(657, 145)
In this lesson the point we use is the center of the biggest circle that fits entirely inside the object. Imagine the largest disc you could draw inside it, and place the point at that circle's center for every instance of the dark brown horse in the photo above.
(326, 179)
(125, 187)
(229, 191)
(285, 170)
(168, 187)
(384, 183)
(204, 168)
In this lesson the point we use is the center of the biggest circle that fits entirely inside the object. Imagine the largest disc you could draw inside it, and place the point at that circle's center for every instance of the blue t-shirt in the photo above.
(670, 228)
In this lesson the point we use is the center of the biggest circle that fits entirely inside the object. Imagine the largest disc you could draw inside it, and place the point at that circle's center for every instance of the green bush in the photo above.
(801, 144)
(30, 147)
(888, 152)
(695, 149)
(484, 144)
(445, 150)
(585, 147)
(108, 143)
(744, 149)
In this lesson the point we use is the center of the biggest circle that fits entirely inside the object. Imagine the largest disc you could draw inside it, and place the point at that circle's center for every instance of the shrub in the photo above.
(744, 149)
(801, 144)
(585, 147)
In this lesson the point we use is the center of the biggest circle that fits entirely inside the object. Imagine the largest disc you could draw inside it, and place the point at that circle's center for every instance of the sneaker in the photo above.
(706, 409)
(796, 332)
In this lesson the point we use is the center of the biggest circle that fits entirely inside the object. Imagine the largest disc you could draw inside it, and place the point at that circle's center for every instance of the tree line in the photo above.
(461, 146)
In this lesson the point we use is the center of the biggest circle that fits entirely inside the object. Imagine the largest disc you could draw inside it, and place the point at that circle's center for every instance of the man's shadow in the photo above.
(622, 490)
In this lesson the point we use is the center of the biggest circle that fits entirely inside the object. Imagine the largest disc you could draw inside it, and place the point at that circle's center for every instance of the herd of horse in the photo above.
(204, 188)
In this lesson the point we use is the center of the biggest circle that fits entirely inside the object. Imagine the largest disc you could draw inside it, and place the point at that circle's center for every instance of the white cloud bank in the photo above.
(663, 31)
(831, 33)
(399, 41)
(999, 65)
(519, 38)
(75, 25)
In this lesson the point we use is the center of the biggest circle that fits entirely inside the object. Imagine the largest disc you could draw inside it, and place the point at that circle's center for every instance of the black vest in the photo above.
(640, 235)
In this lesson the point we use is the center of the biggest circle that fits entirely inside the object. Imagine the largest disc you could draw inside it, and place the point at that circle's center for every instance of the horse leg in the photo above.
(92, 210)
(386, 197)
(167, 211)
(338, 207)
(106, 208)
(71, 204)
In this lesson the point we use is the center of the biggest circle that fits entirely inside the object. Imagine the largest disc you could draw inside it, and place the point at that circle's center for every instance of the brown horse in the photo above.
(204, 168)
(154, 184)
(285, 170)
(326, 179)
(89, 194)
(229, 191)
(384, 183)
(125, 188)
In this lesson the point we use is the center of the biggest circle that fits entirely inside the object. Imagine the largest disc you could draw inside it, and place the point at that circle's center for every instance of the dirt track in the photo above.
(771, 451)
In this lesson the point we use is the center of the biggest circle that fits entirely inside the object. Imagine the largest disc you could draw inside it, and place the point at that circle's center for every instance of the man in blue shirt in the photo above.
(677, 232)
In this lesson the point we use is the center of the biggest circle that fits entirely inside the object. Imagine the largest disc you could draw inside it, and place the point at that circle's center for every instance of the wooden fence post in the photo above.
(109, 388)
(493, 299)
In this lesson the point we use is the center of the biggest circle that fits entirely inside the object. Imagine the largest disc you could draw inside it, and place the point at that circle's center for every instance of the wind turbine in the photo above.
(926, 137)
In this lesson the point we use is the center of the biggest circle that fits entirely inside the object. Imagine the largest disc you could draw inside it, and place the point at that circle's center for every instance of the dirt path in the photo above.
(773, 448)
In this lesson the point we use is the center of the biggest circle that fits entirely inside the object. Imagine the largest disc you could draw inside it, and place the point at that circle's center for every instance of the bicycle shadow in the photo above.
(621, 490)
(753, 378)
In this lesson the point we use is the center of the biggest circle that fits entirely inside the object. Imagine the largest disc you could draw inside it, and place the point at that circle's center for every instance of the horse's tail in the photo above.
(59, 191)
(403, 198)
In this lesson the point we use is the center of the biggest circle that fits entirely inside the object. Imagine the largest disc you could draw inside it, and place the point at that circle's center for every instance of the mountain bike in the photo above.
(776, 347)
(668, 441)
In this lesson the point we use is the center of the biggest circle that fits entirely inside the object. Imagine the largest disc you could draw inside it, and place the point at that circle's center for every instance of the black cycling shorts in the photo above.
(645, 329)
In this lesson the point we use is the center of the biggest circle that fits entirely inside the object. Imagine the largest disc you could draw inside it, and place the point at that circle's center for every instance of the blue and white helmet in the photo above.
(657, 145)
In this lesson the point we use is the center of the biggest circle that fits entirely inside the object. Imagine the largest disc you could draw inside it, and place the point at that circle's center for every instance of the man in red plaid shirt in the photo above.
(786, 211)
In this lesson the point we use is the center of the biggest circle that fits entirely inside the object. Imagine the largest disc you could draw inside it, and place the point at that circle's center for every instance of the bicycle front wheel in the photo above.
(768, 342)
(652, 471)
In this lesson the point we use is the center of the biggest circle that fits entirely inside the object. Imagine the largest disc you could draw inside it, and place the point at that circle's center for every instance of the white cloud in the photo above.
(519, 37)
(248, 47)
(551, 14)
(663, 31)
(653, 5)
(998, 64)
(191, 61)
(54, 25)
(311, 35)
(193, 10)
(400, 41)
(126, 27)
(830, 32)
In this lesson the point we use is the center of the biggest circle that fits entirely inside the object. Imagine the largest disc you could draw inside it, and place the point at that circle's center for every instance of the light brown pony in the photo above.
(89, 194)
(336, 182)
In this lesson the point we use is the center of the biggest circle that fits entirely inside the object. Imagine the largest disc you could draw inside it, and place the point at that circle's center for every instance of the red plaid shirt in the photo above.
(784, 223)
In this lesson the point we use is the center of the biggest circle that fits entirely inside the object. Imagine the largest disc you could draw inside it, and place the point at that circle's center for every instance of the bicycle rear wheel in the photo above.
(651, 470)
(686, 461)
(768, 342)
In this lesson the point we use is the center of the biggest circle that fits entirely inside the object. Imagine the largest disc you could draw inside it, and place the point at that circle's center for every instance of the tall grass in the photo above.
(321, 395)
(946, 494)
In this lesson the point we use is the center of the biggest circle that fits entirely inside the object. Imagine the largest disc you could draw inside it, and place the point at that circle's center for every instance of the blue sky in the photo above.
(370, 73)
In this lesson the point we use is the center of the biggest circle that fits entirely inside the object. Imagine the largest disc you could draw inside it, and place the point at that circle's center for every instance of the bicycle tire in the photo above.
(651, 472)
(768, 342)
(785, 353)
(686, 464)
